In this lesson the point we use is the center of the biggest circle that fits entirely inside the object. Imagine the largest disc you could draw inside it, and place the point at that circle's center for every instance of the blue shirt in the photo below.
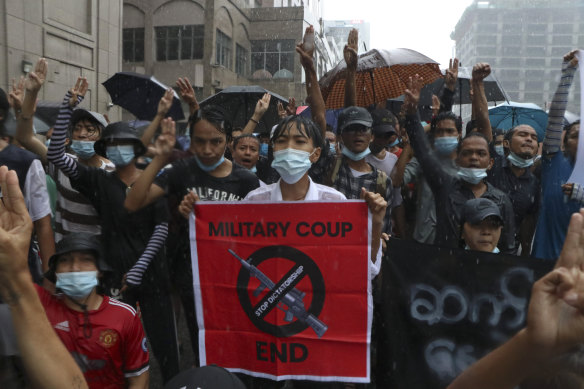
(556, 209)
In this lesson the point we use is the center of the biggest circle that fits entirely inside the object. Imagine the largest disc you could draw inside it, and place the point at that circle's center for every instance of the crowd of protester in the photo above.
(111, 238)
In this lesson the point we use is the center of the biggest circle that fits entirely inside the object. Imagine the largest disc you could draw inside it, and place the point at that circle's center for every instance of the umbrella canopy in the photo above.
(493, 89)
(48, 111)
(240, 103)
(140, 94)
(510, 114)
(331, 116)
(381, 75)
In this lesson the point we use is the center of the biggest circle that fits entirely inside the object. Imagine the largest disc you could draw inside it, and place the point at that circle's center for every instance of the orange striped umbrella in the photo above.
(381, 75)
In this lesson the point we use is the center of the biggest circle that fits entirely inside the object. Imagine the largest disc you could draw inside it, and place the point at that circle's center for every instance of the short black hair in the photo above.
(215, 115)
(567, 129)
(497, 132)
(238, 138)
(445, 115)
(306, 127)
(470, 135)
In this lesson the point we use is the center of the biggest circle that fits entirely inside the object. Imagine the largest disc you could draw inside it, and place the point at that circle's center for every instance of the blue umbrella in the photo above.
(331, 116)
(510, 114)
(140, 94)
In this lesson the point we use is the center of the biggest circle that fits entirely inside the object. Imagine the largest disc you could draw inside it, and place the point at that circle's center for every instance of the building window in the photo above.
(223, 50)
(179, 42)
(133, 44)
(241, 59)
(273, 56)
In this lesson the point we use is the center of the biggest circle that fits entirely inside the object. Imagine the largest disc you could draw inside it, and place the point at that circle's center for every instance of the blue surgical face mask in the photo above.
(291, 164)
(120, 155)
(77, 285)
(332, 148)
(84, 149)
(518, 161)
(264, 149)
(209, 168)
(394, 143)
(355, 157)
(445, 145)
(499, 149)
(472, 175)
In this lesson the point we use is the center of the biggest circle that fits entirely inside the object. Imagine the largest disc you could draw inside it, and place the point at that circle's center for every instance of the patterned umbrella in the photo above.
(381, 75)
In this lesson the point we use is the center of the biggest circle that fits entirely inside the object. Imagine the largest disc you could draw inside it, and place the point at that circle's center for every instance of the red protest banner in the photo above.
(283, 290)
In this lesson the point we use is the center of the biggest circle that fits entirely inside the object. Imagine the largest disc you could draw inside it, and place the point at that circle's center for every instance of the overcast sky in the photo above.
(421, 25)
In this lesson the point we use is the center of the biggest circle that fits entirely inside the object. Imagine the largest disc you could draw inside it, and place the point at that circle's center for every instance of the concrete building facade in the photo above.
(78, 38)
(524, 41)
(218, 43)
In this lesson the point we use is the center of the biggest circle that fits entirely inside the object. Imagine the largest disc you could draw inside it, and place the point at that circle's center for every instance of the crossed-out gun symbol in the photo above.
(292, 300)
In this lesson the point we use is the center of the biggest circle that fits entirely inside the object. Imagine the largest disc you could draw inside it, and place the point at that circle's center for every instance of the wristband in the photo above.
(255, 121)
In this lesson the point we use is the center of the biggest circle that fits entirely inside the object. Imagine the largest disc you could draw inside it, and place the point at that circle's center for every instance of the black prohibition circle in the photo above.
(300, 259)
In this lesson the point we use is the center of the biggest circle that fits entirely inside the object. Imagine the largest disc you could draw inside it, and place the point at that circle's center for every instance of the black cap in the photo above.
(354, 115)
(206, 377)
(383, 121)
(119, 131)
(77, 241)
(475, 211)
(81, 113)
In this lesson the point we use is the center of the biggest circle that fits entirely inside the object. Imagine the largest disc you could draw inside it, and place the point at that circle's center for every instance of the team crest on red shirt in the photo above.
(108, 338)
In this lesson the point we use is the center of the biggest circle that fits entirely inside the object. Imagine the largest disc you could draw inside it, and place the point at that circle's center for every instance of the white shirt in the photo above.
(316, 192)
(36, 196)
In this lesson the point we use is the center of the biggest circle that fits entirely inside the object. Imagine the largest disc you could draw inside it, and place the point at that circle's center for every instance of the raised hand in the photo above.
(281, 111)
(165, 142)
(165, 102)
(306, 49)
(79, 89)
(351, 49)
(451, 74)
(262, 106)
(555, 319)
(16, 95)
(15, 226)
(412, 94)
(291, 107)
(571, 58)
(36, 78)
(435, 105)
(376, 204)
(480, 71)
(187, 93)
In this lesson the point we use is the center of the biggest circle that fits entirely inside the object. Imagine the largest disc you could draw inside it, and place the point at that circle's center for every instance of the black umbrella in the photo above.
(240, 103)
(140, 95)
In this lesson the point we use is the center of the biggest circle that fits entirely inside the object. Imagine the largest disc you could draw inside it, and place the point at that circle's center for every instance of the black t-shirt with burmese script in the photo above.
(177, 180)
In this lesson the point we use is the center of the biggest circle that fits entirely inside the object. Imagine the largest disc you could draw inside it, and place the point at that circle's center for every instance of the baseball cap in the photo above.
(383, 121)
(354, 115)
(81, 113)
(206, 377)
(475, 211)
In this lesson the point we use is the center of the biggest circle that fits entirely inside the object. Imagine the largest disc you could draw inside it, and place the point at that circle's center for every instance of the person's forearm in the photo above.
(526, 233)
(140, 382)
(46, 239)
(156, 242)
(138, 197)
(376, 229)
(553, 133)
(503, 368)
(480, 108)
(24, 127)
(446, 100)
(315, 100)
(397, 174)
(250, 126)
(350, 88)
(46, 360)
(56, 151)
(151, 129)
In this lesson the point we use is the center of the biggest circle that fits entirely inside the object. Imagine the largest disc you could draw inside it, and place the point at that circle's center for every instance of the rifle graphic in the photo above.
(292, 300)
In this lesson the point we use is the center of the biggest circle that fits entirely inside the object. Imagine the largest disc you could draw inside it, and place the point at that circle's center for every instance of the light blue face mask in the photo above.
(394, 143)
(209, 168)
(499, 149)
(332, 148)
(264, 149)
(120, 155)
(48, 142)
(254, 170)
(495, 250)
(472, 175)
(77, 285)
(445, 145)
(355, 157)
(518, 161)
(291, 164)
(84, 149)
